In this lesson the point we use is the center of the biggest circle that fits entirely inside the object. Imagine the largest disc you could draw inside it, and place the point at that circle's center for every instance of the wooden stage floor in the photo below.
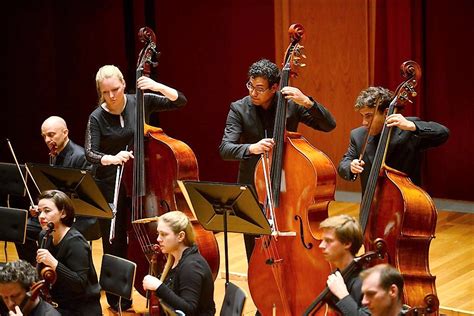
(451, 261)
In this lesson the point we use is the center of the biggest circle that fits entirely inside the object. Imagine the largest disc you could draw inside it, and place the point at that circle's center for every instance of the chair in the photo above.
(117, 276)
(234, 301)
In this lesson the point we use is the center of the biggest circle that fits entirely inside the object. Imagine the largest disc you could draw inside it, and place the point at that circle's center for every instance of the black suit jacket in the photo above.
(404, 152)
(72, 156)
(244, 127)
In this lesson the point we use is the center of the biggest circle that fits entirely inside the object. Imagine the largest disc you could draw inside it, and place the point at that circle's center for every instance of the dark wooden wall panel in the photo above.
(337, 50)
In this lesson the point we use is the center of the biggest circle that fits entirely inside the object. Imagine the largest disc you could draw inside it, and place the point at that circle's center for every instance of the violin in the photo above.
(53, 152)
(46, 273)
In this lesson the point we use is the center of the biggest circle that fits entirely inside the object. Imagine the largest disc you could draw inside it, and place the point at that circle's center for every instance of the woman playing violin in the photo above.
(186, 283)
(16, 281)
(76, 290)
(342, 239)
(109, 138)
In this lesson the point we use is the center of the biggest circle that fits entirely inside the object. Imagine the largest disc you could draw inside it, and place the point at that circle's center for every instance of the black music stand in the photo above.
(225, 207)
(13, 224)
(10, 180)
(78, 184)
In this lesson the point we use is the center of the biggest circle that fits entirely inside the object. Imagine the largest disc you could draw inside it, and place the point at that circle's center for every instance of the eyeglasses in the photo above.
(256, 89)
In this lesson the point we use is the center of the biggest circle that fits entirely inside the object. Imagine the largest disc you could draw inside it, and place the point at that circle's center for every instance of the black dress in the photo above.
(76, 290)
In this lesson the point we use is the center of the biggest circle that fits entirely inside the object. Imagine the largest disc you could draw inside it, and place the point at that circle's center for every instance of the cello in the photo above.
(399, 212)
(154, 192)
(353, 267)
(294, 211)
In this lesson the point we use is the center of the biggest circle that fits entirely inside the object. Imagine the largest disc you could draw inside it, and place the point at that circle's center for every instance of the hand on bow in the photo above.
(34, 211)
(118, 159)
(262, 146)
(357, 166)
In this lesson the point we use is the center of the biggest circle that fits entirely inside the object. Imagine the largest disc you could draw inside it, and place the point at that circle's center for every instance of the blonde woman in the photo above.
(109, 140)
(186, 283)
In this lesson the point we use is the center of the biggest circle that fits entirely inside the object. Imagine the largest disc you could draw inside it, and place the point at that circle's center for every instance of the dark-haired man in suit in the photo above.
(410, 137)
(249, 127)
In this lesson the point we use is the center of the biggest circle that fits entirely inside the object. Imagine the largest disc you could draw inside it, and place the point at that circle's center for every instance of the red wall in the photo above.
(449, 79)
(438, 37)
(54, 49)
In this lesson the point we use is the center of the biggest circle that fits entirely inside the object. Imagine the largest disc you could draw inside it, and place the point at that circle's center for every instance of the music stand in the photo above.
(78, 184)
(10, 179)
(13, 224)
(225, 207)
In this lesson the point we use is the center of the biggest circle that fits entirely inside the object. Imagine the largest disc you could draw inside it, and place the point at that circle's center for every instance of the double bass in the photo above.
(399, 212)
(160, 161)
(287, 267)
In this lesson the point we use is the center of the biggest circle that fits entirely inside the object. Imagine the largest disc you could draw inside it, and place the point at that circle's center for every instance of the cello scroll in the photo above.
(431, 306)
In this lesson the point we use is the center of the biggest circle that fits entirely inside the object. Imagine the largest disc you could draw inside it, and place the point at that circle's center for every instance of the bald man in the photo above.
(62, 151)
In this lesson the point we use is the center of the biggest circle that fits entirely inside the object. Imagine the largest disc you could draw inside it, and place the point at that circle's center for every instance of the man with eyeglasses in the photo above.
(249, 127)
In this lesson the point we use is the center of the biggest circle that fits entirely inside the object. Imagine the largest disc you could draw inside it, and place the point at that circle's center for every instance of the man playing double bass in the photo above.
(109, 139)
(249, 126)
(410, 137)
